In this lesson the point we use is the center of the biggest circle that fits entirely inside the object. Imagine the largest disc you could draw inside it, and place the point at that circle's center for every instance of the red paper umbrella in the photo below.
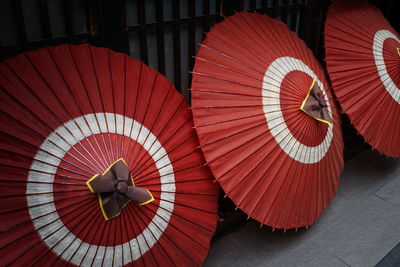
(263, 112)
(363, 61)
(83, 126)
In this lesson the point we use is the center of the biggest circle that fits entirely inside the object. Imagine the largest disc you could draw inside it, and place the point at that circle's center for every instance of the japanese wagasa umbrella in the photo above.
(99, 164)
(266, 121)
(363, 61)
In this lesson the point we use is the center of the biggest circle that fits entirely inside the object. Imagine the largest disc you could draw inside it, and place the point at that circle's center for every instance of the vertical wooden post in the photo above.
(115, 25)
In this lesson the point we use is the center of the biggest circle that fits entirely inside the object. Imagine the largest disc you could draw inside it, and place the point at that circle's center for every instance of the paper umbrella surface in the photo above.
(100, 164)
(267, 121)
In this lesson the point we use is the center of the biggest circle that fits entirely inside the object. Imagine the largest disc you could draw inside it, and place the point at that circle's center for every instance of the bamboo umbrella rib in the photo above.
(66, 109)
(144, 119)
(138, 160)
(41, 227)
(61, 137)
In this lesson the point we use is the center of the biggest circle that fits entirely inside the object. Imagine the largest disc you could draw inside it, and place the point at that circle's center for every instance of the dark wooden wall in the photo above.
(163, 33)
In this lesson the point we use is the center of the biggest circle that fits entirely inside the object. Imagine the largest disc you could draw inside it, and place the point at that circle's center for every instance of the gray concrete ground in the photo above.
(360, 227)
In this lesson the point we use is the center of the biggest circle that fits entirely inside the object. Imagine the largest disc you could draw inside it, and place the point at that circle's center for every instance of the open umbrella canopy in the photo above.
(99, 164)
(266, 120)
(363, 61)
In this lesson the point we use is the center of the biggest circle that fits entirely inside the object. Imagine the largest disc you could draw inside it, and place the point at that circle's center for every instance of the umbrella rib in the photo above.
(72, 95)
(121, 148)
(263, 34)
(90, 225)
(124, 219)
(233, 59)
(142, 168)
(243, 94)
(173, 172)
(42, 193)
(60, 175)
(50, 248)
(40, 182)
(372, 118)
(131, 214)
(186, 206)
(150, 178)
(137, 161)
(182, 182)
(291, 181)
(137, 169)
(91, 104)
(277, 37)
(5, 245)
(134, 112)
(143, 174)
(117, 155)
(183, 193)
(244, 40)
(377, 90)
(179, 230)
(110, 159)
(58, 99)
(258, 88)
(335, 37)
(278, 218)
(136, 215)
(390, 141)
(46, 152)
(242, 131)
(141, 125)
(226, 67)
(232, 120)
(266, 189)
(45, 203)
(113, 157)
(159, 243)
(130, 162)
(290, 97)
(259, 164)
(342, 20)
(23, 106)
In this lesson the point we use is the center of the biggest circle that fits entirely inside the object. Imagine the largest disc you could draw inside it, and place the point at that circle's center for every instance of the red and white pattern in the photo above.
(363, 62)
(277, 164)
(68, 112)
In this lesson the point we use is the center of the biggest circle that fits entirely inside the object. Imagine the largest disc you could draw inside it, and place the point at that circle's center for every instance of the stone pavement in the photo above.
(359, 228)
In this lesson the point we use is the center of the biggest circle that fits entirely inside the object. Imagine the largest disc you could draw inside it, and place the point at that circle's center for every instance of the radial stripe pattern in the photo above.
(362, 58)
(68, 112)
(278, 164)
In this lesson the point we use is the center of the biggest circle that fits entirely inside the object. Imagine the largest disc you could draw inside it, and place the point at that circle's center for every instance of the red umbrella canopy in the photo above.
(73, 116)
(252, 83)
(363, 59)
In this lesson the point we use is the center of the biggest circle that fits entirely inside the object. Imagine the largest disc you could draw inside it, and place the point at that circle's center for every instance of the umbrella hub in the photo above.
(115, 188)
(121, 187)
(315, 105)
(321, 102)
(398, 51)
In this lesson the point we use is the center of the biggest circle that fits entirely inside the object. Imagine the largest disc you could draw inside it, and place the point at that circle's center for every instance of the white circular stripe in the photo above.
(377, 49)
(272, 82)
(45, 217)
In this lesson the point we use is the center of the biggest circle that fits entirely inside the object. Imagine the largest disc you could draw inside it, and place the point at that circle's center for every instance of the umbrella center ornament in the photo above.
(315, 105)
(115, 188)
(46, 219)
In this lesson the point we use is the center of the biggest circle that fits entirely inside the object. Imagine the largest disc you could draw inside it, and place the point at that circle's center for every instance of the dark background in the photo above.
(163, 33)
